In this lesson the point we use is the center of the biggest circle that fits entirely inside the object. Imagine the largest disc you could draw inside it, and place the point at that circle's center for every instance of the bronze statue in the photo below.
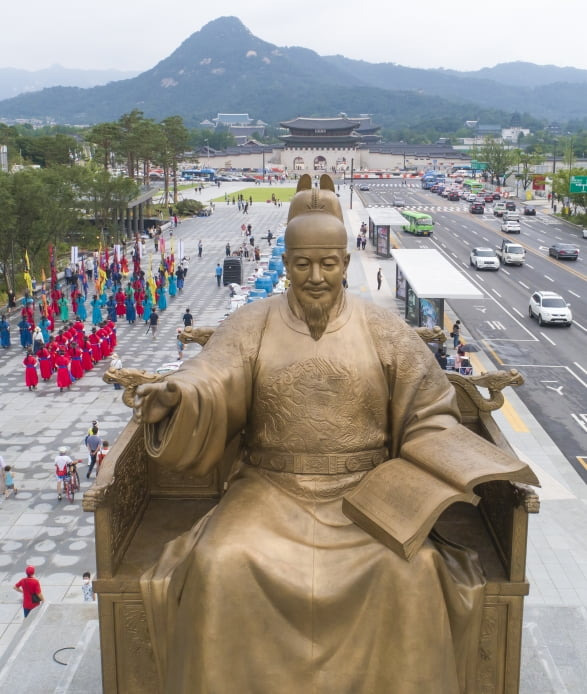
(276, 590)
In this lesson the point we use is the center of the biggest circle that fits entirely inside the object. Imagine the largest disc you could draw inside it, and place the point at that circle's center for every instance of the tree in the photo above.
(499, 159)
(105, 136)
(175, 144)
(526, 162)
(7, 230)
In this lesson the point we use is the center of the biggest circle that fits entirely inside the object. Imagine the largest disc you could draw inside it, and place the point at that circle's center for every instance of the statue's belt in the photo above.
(318, 464)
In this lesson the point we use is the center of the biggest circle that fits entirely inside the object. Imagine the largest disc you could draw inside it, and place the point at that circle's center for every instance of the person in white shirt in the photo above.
(61, 462)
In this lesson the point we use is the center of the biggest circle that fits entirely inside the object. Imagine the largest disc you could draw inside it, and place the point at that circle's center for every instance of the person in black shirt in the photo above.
(188, 319)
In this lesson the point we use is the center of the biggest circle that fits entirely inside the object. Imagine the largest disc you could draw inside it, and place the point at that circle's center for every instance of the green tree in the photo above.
(500, 160)
(104, 136)
(526, 162)
(175, 144)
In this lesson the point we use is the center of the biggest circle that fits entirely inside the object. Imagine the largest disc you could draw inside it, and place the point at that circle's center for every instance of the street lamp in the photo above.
(553, 172)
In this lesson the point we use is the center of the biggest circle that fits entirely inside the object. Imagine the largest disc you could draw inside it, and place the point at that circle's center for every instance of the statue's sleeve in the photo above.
(215, 396)
(421, 398)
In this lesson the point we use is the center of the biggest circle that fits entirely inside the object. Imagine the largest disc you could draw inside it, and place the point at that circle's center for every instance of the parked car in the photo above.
(564, 250)
(476, 208)
(549, 307)
(484, 259)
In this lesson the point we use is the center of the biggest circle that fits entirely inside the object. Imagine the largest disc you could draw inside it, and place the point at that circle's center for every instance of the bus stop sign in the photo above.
(578, 184)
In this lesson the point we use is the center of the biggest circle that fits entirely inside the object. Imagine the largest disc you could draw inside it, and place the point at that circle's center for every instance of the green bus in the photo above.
(472, 186)
(417, 223)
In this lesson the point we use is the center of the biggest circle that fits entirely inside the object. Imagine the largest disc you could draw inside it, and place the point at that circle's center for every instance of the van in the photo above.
(499, 208)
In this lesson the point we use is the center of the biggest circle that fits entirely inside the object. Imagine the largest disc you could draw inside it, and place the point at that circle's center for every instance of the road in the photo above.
(553, 359)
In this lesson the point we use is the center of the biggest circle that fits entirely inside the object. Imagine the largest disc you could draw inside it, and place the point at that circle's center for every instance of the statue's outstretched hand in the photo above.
(154, 401)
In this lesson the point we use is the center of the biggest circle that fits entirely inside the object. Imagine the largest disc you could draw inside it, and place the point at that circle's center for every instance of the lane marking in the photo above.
(574, 294)
(581, 421)
(523, 285)
(518, 312)
(548, 339)
(549, 278)
(496, 292)
(580, 367)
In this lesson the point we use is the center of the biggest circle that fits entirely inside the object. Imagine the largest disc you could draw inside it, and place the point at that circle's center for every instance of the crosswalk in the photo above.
(429, 208)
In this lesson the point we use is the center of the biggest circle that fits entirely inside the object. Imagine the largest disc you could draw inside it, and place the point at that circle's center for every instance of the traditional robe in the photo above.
(275, 590)
(31, 377)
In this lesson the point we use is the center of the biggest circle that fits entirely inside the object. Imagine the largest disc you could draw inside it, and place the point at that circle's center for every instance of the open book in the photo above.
(400, 500)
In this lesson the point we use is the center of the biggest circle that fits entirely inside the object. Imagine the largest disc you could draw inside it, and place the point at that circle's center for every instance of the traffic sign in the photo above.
(578, 184)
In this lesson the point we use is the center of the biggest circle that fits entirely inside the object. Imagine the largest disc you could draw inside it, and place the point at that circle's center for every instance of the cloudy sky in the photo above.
(136, 34)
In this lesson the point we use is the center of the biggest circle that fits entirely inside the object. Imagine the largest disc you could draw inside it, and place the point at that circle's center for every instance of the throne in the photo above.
(139, 507)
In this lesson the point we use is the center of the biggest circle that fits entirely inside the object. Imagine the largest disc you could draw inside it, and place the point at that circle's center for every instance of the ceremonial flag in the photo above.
(27, 272)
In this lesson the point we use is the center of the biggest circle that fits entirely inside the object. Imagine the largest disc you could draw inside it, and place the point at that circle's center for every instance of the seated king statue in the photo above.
(275, 590)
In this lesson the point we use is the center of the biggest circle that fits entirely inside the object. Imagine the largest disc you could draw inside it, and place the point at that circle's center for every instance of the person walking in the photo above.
(200, 248)
(87, 587)
(31, 376)
(61, 462)
(188, 319)
(456, 333)
(180, 346)
(32, 596)
(116, 365)
(218, 273)
(227, 250)
(153, 322)
(379, 279)
(9, 487)
(4, 332)
(94, 443)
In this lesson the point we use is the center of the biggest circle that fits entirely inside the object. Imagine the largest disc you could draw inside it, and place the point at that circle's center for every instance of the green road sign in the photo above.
(578, 184)
(478, 165)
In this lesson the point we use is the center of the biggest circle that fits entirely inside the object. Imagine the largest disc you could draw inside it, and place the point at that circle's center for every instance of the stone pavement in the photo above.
(58, 537)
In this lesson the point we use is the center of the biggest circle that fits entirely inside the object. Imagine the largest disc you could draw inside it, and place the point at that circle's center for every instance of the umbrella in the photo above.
(469, 347)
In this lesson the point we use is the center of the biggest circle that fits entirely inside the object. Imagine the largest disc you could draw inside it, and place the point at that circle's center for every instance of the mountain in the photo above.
(14, 81)
(224, 67)
(521, 74)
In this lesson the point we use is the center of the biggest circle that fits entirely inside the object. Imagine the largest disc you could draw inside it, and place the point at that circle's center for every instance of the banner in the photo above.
(27, 272)
(74, 255)
(538, 182)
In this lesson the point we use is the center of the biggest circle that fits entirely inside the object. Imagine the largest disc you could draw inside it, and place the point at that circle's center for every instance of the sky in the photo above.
(136, 34)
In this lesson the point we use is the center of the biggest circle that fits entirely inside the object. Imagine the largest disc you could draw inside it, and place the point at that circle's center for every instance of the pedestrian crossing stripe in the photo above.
(427, 208)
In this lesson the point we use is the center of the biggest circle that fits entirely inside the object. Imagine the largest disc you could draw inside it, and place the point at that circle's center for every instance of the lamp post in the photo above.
(263, 164)
(553, 173)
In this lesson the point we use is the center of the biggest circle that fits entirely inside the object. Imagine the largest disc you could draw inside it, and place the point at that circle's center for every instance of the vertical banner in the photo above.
(74, 255)
(180, 249)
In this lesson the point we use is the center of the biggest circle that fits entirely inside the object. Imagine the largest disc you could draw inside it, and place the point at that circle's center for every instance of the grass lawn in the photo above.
(260, 194)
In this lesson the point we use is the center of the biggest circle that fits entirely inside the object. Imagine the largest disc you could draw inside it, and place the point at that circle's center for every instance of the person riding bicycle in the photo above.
(61, 469)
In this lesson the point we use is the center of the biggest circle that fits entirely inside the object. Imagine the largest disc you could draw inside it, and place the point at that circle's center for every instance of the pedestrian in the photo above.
(30, 588)
(218, 273)
(9, 487)
(359, 237)
(363, 241)
(456, 333)
(269, 237)
(94, 443)
(61, 462)
(153, 322)
(379, 279)
(116, 365)
(2, 479)
(227, 249)
(185, 263)
(88, 587)
(11, 301)
(187, 318)
(31, 377)
(102, 453)
(200, 248)
(180, 346)
(4, 332)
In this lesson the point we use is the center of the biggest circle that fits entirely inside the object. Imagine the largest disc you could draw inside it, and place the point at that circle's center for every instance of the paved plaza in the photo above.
(57, 537)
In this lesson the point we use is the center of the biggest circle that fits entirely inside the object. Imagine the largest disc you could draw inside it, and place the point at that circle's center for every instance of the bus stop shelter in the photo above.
(381, 221)
(424, 279)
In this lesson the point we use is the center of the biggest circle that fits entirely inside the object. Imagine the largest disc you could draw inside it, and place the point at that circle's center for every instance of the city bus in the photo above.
(417, 223)
(472, 186)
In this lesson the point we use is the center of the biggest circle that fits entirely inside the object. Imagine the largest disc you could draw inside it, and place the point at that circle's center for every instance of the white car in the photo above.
(550, 307)
(510, 227)
(484, 259)
(471, 197)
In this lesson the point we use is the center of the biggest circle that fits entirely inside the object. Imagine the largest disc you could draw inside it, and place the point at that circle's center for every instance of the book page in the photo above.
(401, 499)
(464, 459)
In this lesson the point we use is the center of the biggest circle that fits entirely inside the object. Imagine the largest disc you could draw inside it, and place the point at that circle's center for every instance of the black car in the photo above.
(529, 211)
(476, 208)
(564, 250)
(510, 205)
(363, 186)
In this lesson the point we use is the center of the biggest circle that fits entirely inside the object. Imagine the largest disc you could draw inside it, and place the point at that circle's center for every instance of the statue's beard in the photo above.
(316, 316)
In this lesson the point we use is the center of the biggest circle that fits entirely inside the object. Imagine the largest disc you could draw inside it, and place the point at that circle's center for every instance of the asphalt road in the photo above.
(553, 359)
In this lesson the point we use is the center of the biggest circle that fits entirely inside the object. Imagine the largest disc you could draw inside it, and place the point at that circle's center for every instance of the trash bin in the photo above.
(233, 271)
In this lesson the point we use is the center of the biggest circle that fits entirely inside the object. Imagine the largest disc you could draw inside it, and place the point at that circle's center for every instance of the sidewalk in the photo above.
(58, 539)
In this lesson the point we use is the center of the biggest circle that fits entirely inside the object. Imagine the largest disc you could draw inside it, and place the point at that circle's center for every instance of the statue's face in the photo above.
(316, 274)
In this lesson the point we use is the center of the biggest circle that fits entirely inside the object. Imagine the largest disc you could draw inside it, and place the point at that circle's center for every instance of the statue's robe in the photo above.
(275, 590)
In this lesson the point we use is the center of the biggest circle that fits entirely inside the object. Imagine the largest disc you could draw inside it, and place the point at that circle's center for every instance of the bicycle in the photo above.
(71, 482)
